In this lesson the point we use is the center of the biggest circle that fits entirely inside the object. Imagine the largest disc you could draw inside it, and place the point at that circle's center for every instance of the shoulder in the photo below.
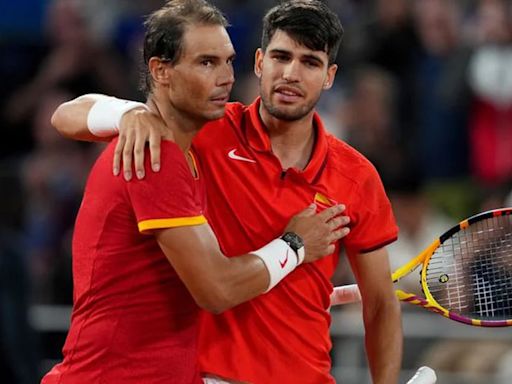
(173, 163)
(348, 161)
(169, 149)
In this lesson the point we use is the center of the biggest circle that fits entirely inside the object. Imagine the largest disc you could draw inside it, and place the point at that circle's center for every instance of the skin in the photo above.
(292, 77)
(205, 71)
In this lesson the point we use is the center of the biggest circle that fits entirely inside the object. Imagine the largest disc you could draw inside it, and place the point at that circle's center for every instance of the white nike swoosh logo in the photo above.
(234, 156)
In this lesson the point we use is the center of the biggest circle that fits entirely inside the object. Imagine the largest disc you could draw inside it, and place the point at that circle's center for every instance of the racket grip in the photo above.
(424, 375)
(345, 294)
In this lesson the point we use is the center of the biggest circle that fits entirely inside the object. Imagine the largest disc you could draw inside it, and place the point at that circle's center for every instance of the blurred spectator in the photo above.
(368, 117)
(391, 43)
(441, 95)
(74, 61)
(18, 346)
(490, 76)
(53, 178)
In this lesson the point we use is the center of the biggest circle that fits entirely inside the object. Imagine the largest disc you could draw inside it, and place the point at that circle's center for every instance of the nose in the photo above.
(226, 76)
(291, 71)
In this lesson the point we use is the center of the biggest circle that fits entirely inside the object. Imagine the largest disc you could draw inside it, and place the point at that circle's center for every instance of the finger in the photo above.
(127, 157)
(116, 164)
(329, 249)
(335, 223)
(338, 221)
(138, 155)
(154, 149)
(309, 211)
(331, 212)
(338, 234)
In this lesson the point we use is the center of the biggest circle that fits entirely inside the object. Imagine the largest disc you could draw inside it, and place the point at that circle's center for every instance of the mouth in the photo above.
(287, 93)
(220, 99)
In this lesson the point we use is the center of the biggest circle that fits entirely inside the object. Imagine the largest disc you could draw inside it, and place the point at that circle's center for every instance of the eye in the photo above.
(207, 62)
(312, 63)
(281, 58)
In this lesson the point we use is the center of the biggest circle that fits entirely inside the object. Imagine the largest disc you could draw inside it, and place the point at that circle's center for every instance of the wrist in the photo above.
(296, 243)
(279, 259)
(104, 117)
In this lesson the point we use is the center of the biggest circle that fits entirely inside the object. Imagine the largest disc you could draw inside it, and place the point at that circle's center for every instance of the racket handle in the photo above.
(345, 294)
(424, 375)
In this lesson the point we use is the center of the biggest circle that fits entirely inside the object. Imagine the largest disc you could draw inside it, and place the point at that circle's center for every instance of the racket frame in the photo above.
(424, 257)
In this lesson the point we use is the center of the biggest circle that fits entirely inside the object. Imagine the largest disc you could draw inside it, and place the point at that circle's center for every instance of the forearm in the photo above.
(383, 340)
(234, 281)
(217, 282)
(70, 119)
(92, 117)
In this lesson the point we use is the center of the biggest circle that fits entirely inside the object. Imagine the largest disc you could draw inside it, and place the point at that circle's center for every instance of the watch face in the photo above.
(294, 240)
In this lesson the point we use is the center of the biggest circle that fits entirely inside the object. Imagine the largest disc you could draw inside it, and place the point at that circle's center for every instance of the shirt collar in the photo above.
(259, 140)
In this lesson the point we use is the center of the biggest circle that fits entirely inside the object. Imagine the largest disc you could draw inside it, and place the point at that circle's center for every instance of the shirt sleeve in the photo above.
(168, 198)
(373, 222)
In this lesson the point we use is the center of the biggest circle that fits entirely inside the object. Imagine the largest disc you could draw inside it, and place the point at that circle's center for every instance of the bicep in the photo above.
(372, 273)
(215, 281)
(193, 252)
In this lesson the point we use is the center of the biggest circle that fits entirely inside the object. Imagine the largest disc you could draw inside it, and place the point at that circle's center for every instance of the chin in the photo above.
(214, 115)
(288, 114)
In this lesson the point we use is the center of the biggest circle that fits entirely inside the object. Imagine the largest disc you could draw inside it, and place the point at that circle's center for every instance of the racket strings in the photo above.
(471, 272)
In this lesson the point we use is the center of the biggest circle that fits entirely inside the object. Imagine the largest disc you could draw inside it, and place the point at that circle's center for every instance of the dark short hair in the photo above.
(164, 30)
(309, 22)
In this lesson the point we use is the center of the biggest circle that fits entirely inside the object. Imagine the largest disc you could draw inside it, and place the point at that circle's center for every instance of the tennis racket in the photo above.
(424, 375)
(466, 274)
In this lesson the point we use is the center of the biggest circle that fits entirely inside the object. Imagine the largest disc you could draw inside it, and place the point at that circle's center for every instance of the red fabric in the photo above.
(491, 142)
(282, 336)
(133, 319)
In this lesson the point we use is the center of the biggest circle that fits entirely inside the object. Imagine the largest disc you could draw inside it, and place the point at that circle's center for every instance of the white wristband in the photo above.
(279, 259)
(105, 116)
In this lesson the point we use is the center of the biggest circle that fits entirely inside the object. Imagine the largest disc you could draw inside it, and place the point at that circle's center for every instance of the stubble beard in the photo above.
(290, 115)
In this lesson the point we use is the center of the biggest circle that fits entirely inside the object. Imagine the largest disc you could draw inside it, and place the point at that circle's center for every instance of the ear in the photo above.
(331, 74)
(160, 71)
(258, 62)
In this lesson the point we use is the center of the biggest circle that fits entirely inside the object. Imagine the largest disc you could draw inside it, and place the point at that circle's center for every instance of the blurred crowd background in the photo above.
(424, 90)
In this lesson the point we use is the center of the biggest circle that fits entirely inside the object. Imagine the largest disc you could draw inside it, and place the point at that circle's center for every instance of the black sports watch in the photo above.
(296, 243)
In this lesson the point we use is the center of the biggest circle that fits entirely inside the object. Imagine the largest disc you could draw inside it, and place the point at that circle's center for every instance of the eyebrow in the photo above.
(207, 57)
(308, 56)
(213, 57)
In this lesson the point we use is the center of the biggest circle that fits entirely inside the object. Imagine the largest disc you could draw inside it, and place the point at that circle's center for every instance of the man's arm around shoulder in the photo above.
(92, 117)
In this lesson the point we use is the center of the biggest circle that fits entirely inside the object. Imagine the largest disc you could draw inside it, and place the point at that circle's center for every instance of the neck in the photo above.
(181, 127)
(292, 141)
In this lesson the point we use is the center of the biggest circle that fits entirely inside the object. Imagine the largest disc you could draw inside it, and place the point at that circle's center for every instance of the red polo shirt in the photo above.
(282, 336)
(133, 319)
